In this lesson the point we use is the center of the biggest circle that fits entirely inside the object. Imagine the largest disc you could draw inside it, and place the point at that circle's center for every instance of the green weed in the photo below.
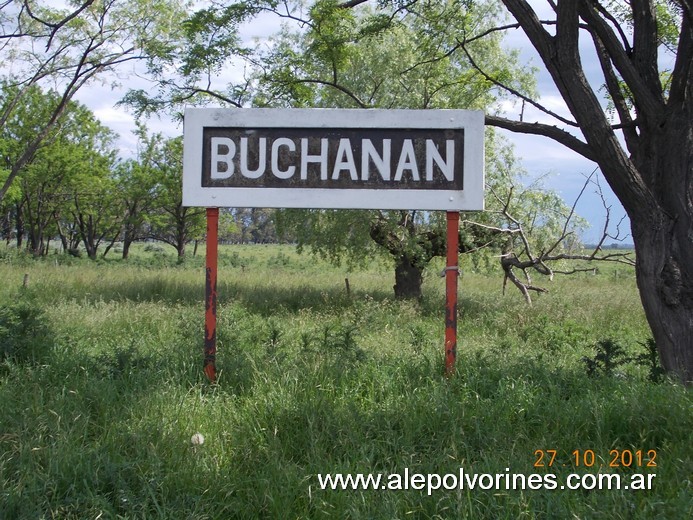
(24, 332)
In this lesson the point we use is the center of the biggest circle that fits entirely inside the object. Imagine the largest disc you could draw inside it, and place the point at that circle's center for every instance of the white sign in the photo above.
(341, 159)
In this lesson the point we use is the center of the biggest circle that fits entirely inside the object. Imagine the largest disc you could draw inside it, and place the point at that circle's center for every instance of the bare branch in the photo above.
(495, 229)
(565, 233)
(542, 263)
(620, 258)
(336, 86)
(578, 270)
(510, 261)
(352, 3)
(287, 14)
(466, 41)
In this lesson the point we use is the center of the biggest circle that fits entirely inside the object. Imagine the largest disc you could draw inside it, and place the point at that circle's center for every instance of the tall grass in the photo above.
(102, 391)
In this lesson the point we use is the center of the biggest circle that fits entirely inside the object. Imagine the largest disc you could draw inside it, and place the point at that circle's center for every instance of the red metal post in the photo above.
(210, 369)
(451, 275)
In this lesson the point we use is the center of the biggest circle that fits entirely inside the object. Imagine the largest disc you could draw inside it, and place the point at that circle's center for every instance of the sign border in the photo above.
(471, 198)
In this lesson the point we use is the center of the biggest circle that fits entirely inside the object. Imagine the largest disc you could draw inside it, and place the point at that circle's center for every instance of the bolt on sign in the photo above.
(338, 159)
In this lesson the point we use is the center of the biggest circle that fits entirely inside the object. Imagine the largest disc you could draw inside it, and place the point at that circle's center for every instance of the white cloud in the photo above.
(112, 116)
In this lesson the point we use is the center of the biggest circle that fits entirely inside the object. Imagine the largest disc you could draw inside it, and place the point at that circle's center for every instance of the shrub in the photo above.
(610, 355)
(650, 360)
(24, 335)
(154, 248)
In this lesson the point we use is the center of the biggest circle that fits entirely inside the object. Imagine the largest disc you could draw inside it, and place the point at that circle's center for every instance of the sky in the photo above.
(560, 169)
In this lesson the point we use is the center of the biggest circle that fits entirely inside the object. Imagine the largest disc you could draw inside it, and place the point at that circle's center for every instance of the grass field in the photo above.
(101, 390)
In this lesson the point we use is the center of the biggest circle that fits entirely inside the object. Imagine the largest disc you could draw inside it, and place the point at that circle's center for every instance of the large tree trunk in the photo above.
(664, 274)
(408, 278)
(663, 237)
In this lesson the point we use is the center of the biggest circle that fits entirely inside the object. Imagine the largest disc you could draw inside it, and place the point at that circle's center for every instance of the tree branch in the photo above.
(645, 45)
(336, 86)
(55, 27)
(614, 87)
(552, 132)
(648, 101)
(516, 92)
(682, 76)
(352, 3)
(526, 261)
(617, 26)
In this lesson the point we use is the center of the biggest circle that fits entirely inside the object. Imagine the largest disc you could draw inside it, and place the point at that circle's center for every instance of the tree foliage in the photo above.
(75, 188)
(67, 176)
(170, 221)
(374, 59)
(65, 48)
(193, 69)
(370, 59)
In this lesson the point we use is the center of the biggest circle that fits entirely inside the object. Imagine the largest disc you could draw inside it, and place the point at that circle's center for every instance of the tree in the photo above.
(28, 116)
(136, 180)
(367, 60)
(642, 140)
(95, 208)
(66, 49)
(42, 196)
(48, 184)
(171, 222)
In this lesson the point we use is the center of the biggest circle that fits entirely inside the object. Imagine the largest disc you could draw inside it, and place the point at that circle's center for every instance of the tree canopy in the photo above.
(364, 60)
(65, 48)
